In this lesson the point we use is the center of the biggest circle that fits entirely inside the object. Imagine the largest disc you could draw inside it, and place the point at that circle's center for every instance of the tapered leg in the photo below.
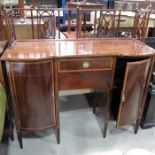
(12, 128)
(19, 135)
(137, 125)
(58, 135)
(12, 138)
(57, 128)
(9, 126)
(9, 133)
(94, 104)
(106, 120)
(107, 113)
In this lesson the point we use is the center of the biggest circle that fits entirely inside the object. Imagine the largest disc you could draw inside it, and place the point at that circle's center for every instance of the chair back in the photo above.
(106, 25)
(140, 24)
(46, 21)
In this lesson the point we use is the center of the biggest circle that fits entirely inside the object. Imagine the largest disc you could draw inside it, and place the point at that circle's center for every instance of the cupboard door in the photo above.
(132, 92)
(32, 84)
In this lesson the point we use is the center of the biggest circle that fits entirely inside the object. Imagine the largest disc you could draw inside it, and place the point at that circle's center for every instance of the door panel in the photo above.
(33, 88)
(132, 92)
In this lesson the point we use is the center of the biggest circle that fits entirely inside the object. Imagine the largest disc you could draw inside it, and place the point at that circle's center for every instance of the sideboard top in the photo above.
(40, 49)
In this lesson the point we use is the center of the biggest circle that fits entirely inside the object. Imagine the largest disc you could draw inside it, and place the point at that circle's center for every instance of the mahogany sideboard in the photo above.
(36, 70)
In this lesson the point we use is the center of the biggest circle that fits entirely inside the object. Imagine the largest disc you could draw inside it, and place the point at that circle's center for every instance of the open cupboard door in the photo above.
(135, 79)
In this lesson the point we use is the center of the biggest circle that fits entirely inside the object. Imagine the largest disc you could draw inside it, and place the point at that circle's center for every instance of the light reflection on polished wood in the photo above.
(61, 48)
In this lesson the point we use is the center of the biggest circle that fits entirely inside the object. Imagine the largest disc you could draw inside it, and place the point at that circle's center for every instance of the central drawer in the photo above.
(84, 80)
(81, 73)
(85, 64)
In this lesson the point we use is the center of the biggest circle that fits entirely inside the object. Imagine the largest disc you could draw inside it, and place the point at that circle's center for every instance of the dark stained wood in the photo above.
(85, 79)
(133, 91)
(145, 94)
(33, 92)
(97, 75)
(82, 73)
(88, 64)
(103, 99)
(56, 99)
(47, 66)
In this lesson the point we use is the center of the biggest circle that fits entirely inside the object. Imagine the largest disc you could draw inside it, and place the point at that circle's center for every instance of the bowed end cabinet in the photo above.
(32, 93)
(36, 70)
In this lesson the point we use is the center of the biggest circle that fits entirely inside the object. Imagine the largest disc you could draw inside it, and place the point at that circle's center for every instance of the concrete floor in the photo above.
(81, 135)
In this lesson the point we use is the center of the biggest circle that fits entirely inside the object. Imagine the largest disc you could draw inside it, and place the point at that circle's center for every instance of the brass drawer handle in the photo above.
(86, 64)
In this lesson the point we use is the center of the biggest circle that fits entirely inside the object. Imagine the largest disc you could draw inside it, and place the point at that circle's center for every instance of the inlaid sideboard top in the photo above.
(40, 49)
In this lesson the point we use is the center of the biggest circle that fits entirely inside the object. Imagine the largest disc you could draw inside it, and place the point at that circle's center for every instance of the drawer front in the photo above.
(82, 80)
(83, 64)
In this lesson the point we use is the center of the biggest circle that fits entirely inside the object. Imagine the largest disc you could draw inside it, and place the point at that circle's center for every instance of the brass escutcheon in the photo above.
(85, 64)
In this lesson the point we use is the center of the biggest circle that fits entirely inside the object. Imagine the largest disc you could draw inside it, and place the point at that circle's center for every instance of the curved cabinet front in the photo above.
(32, 84)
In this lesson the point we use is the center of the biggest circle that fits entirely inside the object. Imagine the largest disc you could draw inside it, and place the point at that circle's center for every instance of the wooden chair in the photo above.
(107, 24)
(46, 23)
(32, 91)
(10, 29)
(140, 24)
(2, 35)
(6, 27)
(104, 26)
